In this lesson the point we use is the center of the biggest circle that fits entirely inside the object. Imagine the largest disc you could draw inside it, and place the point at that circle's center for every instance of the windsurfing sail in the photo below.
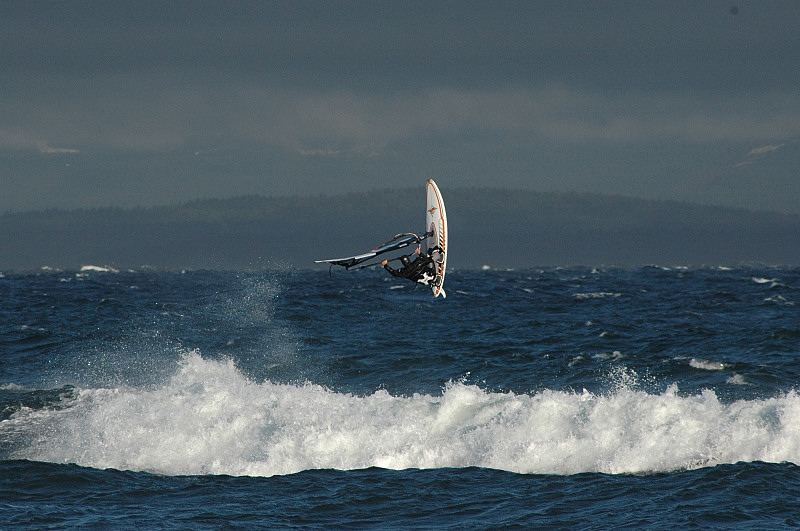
(436, 231)
(434, 237)
(398, 242)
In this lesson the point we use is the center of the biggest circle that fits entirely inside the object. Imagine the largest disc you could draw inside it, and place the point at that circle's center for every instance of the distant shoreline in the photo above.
(502, 228)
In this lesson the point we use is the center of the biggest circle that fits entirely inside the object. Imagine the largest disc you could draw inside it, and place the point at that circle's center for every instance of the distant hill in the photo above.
(487, 226)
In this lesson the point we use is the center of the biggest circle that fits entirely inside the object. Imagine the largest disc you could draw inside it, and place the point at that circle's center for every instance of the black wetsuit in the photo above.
(414, 270)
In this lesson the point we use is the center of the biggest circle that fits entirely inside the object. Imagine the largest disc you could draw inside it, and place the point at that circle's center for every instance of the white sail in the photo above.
(436, 223)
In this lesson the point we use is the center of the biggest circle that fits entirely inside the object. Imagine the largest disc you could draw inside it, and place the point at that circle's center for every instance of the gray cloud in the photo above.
(757, 153)
(15, 138)
(316, 123)
(18, 139)
(763, 150)
(387, 45)
(171, 101)
(50, 150)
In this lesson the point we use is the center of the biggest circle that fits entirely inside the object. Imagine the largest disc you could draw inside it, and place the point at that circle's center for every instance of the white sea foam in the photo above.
(211, 419)
(736, 379)
(706, 365)
(596, 295)
(779, 299)
(762, 280)
(616, 355)
(574, 361)
(98, 269)
(29, 327)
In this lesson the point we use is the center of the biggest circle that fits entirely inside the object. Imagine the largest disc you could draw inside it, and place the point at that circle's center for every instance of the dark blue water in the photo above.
(562, 397)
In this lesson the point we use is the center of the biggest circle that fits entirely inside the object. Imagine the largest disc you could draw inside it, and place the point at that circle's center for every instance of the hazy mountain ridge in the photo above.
(498, 227)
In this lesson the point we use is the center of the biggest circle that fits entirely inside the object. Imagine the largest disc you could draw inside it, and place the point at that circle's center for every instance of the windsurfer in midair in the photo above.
(422, 269)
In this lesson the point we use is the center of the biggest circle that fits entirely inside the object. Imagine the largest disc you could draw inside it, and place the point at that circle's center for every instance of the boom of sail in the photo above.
(398, 242)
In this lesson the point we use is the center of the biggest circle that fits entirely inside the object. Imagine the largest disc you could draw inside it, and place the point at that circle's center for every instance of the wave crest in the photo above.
(211, 419)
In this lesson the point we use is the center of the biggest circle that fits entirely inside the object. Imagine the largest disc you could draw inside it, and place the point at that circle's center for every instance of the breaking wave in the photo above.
(209, 418)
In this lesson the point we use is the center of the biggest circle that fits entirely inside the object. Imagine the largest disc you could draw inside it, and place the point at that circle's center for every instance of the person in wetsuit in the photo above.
(422, 269)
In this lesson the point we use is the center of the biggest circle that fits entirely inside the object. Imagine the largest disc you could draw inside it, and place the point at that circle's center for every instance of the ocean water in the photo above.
(563, 397)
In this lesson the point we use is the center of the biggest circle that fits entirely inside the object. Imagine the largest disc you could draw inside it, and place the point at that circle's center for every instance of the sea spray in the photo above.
(210, 418)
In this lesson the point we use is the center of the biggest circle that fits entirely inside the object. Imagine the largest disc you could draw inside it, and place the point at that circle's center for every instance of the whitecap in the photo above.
(706, 365)
(779, 299)
(98, 269)
(762, 280)
(615, 355)
(736, 379)
(574, 361)
(595, 295)
(29, 327)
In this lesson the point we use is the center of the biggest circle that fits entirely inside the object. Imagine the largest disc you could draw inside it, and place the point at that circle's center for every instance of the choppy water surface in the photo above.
(573, 397)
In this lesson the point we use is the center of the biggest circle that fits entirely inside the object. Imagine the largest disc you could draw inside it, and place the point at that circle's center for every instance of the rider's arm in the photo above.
(393, 271)
(390, 269)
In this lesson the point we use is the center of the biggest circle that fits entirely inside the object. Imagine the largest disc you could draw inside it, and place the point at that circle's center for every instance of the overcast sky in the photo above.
(136, 103)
